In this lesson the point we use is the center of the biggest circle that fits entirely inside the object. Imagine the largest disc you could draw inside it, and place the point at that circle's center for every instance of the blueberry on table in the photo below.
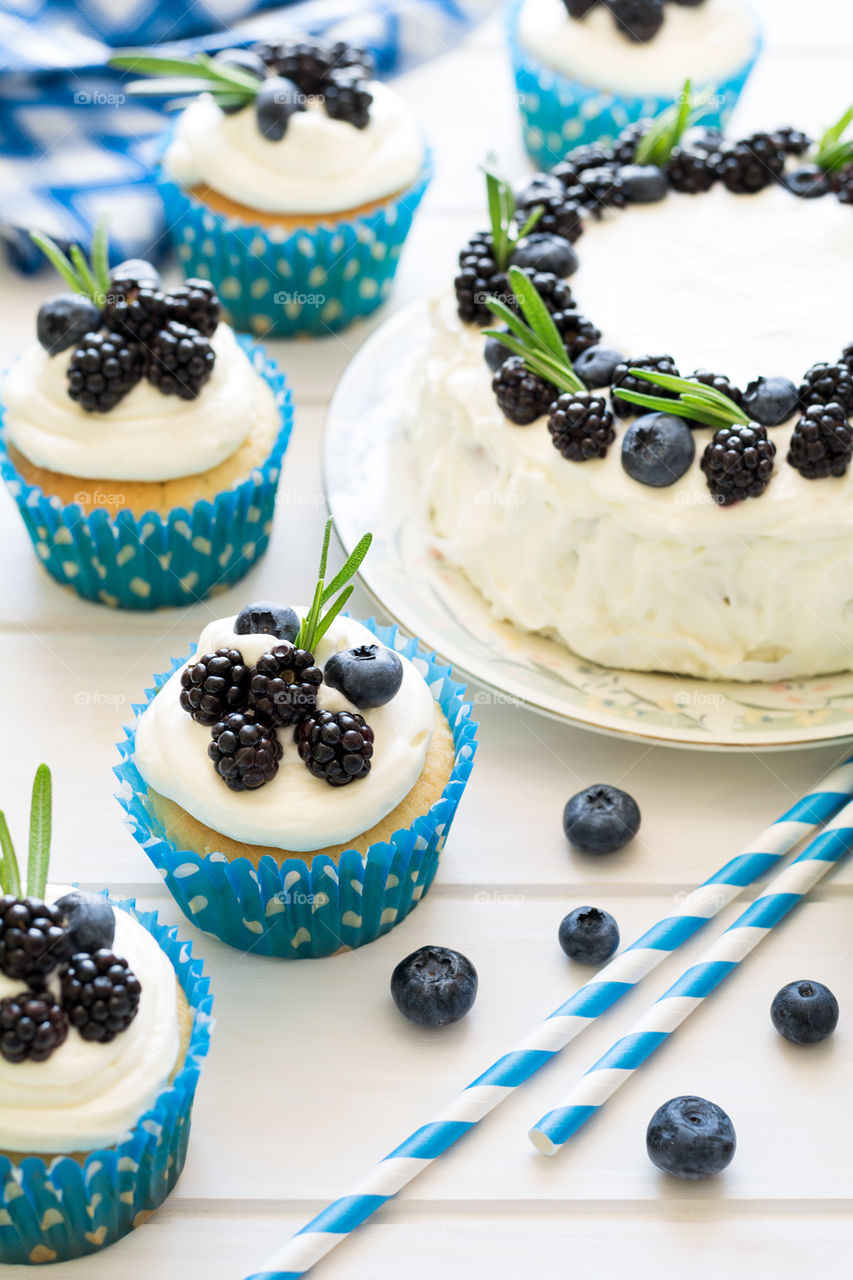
(644, 183)
(369, 675)
(657, 449)
(771, 401)
(544, 251)
(266, 618)
(589, 935)
(690, 1138)
(434, 986)
(597, 365)
(804, 1012)
(601, 819)
(90, 920)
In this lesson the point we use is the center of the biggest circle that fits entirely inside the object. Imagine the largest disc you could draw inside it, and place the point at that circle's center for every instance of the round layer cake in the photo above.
(661, 578)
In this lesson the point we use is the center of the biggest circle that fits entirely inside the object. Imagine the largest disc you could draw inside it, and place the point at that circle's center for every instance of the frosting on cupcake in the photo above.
(294, 810)
(147, 436)
(87, 1095)
(320, 165)
(703, 42)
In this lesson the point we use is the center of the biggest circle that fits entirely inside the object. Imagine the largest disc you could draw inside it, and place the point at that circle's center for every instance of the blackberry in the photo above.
(347, 96)
(103, 368)
(216, 684)
(792, 141)
(553, 291)
(32, 1025)
(478, 279)
(589, 156)
(579, 8)
(640, 20)
(100, 995)
(33, 939)
(822, 442)
(843, 184)
(194, 304)
(847, 357)
(245, 750)
(719, 382)
(622, 378)
(181, 361)
(625, 146)
(738, 463)
(708, 141)
(133, 310)
(283, 685)
(336, 746)
(560, 215)
(691, 171)
(578, 333)
(581, 426)
(751, 164)
(522, 396)
(828, 382)
(341, 54)
(305, 62)
(601, 189)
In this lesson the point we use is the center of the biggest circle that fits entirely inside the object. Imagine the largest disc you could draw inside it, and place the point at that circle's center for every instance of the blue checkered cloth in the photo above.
(68, 155)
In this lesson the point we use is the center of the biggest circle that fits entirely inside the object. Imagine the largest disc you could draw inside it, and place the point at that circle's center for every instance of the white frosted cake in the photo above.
(636, 575)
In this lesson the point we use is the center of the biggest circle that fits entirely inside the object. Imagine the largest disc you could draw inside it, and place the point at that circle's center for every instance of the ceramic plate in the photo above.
(371, 482)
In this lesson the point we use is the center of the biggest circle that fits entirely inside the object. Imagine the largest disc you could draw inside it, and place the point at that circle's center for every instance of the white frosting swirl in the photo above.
(295, 810)
(707, 43)
(319, 166)
(88, 1095)
(147, 436)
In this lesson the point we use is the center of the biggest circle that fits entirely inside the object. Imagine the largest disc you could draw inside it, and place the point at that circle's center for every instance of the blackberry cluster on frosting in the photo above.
(637, 20)
(338, 75)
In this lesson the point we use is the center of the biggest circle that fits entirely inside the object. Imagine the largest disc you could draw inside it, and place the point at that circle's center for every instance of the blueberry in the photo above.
(589, 935)
(543, 251)
(809, 183)
(495, 352)
(644, 183)
(770, 401)
(601, 819)
(434, 986)
(243, 60)
(139, 270)
(596, 365)
(276, 101)
(265, 618)
(91, 921)
(368, 676)
(690, 1138)
(64, 319)
(657, 449)
(805, 1012)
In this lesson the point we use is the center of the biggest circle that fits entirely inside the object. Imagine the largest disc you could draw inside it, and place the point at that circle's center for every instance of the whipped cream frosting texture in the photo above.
(147, 436)
(706, 43)
(87, 1095)
(294, 810)
(319, 166)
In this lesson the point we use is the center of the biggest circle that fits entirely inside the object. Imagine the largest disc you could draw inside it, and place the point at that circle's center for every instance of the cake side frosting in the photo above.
(704, 43)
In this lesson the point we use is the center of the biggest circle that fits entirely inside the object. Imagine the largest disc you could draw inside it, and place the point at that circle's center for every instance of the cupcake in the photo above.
(290, 181)
(295, 778)
(140, 438)
(584, 69)
(104, 1023)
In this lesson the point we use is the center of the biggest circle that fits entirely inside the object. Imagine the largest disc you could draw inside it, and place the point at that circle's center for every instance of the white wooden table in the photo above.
(313, 1074)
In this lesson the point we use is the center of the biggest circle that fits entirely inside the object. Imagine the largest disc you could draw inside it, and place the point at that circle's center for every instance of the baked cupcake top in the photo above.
(89, 1031)
(294, 730)
(639, 46)
(128, 380)
(294, 128)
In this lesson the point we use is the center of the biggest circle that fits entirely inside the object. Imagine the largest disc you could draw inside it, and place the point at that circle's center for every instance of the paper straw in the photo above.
(426, 1144)
(694, 986)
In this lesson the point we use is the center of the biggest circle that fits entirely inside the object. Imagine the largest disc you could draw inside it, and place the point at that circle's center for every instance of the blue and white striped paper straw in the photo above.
(615, 980)
(715, 964)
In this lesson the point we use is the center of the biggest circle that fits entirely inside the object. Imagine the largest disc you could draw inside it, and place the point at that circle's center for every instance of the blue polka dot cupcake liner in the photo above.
(277, 282)
(558, 113)
(292, 910)
(153, 561)
(52, 1211)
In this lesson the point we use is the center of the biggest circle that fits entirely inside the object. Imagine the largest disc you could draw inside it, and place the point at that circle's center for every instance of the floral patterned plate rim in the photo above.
(371, 481)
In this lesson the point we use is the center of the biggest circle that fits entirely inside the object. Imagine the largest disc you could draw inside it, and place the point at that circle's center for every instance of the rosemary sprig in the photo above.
(667, 129)
(695, 400)
(315, 624)
(39, 853)
(506, 232)
(538, 342)
(832, 152)
(230, 86)
(10, 876)
(91, 278)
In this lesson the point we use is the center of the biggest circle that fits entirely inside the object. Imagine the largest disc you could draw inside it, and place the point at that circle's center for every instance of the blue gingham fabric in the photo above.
(73, 146)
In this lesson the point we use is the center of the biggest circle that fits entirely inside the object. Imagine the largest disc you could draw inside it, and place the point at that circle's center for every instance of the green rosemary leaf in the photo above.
(531, 222)
(10, 876)
(666, 130)
(542, 364)
(710, 417)
(536, 313)
(57, 258)
(101, 255)
(149, 64)
(229, 75)
(81, 266)
(40, 825)
(350, 568)
(306, 631)
(515, 324)
(324, 550)
(329, 617)
(696, 392)
(496, 219)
